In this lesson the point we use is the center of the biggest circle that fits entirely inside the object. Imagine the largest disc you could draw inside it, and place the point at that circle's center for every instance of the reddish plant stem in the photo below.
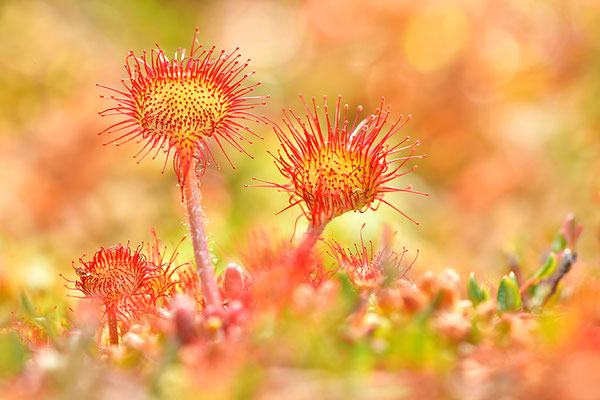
(113, 331)
(309, 239)
(192, 198)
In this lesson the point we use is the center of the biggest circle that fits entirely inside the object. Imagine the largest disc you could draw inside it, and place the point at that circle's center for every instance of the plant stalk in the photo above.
(113, 331)
(309, 239)
(192, 198)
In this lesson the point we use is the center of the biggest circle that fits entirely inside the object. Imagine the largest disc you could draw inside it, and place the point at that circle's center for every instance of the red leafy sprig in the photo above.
(367, 269)
(125, 282)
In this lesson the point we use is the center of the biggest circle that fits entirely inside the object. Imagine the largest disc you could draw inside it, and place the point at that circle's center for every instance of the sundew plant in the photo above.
(309, 315)
(189, 104)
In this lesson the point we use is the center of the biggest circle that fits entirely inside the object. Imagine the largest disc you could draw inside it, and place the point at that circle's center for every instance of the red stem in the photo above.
(309, 239)
(208, 280)
(113, 331)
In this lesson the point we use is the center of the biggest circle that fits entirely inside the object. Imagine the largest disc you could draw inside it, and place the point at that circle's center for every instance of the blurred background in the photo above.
(504, 96)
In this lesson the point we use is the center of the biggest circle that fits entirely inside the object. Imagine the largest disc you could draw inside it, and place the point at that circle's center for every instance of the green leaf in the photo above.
(509, 298)
(513, 277)
(26, 303)
(475, 293)
(548, 268)
(486, 292)
(559, 243)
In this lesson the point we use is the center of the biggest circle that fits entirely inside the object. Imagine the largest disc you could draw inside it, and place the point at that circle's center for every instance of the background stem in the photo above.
(208, 280)
(113, 331)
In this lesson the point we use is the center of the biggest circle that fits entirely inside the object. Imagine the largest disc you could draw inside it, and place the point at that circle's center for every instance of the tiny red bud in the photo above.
(233, 281)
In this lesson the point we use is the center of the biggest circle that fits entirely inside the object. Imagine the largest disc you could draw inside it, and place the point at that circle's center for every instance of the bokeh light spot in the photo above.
(495, 62)
(269, 32)
(435, 36)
